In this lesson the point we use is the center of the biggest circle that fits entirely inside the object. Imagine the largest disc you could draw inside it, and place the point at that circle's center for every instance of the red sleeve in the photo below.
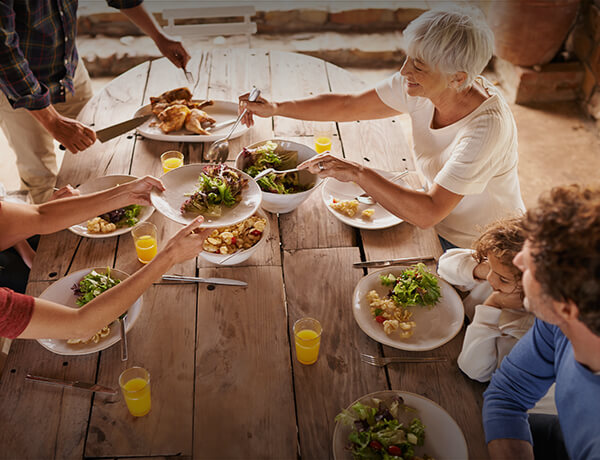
(15, 313)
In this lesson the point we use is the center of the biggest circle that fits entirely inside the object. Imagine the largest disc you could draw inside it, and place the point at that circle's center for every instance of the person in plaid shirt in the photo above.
(45, 84)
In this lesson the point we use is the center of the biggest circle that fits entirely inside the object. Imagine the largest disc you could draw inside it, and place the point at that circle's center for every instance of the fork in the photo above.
(380, 361)
(365, 198)
(274, 171)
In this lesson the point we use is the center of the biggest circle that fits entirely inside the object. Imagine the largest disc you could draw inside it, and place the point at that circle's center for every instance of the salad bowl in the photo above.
(435, 325)
(61, 292)
(444, 440)
(183, 180)
(98, 184)
(286, 202)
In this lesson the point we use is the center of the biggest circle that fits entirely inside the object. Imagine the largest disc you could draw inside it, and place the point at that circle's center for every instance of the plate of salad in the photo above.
(75, 290)
(113, 223)
(222, 194)
(394, 425)
(408, 308)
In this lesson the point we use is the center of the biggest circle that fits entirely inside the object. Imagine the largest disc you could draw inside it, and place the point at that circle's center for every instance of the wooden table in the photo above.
(225, 382)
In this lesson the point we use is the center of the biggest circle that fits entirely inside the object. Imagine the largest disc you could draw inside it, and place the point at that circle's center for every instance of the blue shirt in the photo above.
(544, 355)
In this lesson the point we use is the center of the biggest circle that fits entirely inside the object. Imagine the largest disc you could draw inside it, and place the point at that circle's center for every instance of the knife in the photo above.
(106, 134)
(195, 279)
(389, 262)
(73, 384)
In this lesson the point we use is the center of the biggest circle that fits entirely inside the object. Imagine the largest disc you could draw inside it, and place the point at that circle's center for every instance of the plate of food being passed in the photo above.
(407, 307)
(222, 194)
(397, 424)
(340, 199)
(178, 117)
(75, 290)
(113, 223)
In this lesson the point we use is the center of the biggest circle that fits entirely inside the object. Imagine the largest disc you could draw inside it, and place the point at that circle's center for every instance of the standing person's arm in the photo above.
(521, 381)
(20, 221)
(173, 50)
(23, 89)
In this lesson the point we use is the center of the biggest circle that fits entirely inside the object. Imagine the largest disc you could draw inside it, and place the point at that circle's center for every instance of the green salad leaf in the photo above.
(414, 286)
(92, 285)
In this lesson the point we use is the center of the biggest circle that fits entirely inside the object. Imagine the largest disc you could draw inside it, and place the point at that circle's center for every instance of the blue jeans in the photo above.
(446, 244)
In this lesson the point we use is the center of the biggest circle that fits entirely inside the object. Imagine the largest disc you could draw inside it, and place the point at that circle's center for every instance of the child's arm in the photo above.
(459, 268)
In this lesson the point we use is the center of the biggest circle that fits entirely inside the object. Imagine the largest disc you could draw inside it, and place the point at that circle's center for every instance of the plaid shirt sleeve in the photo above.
(124, 4)
(17, 81)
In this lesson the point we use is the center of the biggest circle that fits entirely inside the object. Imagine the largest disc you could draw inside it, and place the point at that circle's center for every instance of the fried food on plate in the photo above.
(197, 120)
(171, 105)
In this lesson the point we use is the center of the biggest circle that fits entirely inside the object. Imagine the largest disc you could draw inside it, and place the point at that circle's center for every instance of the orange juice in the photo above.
(171, 163)
(146, 248)
(307, 345)
(322, 144)
(137, 396)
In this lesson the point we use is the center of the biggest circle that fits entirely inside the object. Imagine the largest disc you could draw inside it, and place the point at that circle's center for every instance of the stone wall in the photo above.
(584, 42)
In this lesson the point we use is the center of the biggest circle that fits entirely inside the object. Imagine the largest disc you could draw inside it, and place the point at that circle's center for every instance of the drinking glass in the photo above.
(144, 238)
(307, 336)
(171, 160)
(323, 134)
(135, 386)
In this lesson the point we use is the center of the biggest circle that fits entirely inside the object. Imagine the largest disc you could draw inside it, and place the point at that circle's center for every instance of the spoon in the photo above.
(218, 152)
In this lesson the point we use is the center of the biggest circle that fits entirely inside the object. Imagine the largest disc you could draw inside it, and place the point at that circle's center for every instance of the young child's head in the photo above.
(498, 245)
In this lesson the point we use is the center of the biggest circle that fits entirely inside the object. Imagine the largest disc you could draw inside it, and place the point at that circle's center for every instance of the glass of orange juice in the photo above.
(307, 336)
(322, 133)
(144, 238)
(135, 386)
(171, 160)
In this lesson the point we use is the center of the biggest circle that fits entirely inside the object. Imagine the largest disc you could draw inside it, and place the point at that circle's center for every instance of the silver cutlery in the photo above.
(381, 361)
(274, 171)
(123, 338)
(218, 152)
(188, 75)
(223, 124)
(72, 383)
(367, 199)
(195, 279)
(390, 262)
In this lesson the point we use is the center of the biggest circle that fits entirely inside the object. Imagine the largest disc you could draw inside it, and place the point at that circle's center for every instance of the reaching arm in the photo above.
(325, 107)
(171, 49)
(52, 320)
(515, 449)
(20, 221)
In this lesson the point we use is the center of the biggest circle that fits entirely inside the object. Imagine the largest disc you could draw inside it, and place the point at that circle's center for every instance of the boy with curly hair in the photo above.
(560, 262)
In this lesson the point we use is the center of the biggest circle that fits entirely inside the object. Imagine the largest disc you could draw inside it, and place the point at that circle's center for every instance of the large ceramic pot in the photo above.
(530, 32)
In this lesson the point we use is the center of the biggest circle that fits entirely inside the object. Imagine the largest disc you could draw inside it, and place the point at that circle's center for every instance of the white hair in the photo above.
(451, 40)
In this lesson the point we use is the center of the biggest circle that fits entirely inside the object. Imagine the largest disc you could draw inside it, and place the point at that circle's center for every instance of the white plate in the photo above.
(61, 292)
(220, 111)
(184, 179)
(102, 183)
(382, 218)
(435, 325)
(444, 440)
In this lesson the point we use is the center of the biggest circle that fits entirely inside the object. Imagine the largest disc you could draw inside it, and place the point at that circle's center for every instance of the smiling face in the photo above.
(501, 277)
(423, 80)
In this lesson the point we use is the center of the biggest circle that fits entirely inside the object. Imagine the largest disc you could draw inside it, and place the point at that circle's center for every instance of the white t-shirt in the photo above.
(475, 157)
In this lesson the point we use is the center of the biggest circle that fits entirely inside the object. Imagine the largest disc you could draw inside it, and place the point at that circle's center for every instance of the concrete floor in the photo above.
(557, 144)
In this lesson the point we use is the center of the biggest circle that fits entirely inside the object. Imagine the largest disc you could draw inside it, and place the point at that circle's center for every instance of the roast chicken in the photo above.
(176, 109)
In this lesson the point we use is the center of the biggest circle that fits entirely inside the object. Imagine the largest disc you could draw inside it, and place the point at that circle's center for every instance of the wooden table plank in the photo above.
(338, 377)
(41, 421)
(296, 76)
(161, 341)
(244, 402)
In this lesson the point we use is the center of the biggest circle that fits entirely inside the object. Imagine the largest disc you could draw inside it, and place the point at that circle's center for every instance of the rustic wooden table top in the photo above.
(225, 381)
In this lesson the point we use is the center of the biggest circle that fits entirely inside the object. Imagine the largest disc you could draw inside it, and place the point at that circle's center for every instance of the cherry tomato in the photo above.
(256, 232)
(395, 450)
(375, 445)
(379, 319)
(233, 240)
(335, 201)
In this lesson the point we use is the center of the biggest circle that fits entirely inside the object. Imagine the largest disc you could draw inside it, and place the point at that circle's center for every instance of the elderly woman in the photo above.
(28, 317)
(464, 133)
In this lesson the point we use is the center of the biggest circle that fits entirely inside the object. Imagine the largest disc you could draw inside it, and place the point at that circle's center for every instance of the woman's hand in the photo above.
(512, 301)
(261, 107)
(138, 191)
(187, 242)
(330, 166)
